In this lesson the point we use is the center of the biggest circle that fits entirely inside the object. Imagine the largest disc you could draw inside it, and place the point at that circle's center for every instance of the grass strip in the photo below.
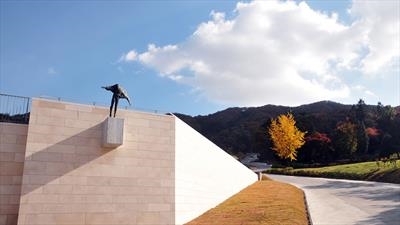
(265, 202)
(369, 171)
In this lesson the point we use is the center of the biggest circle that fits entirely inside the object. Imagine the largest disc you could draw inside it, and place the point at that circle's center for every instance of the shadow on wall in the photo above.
(60, 160)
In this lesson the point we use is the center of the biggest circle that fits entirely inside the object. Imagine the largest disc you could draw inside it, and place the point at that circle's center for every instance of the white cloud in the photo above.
(370, 93)
(128, 57)
(362, 92)
(278, 52)
(381, 25)
(51, 71)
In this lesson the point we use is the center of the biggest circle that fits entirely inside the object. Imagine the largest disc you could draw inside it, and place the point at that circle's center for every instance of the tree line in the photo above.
(364, 134)
(335, 132)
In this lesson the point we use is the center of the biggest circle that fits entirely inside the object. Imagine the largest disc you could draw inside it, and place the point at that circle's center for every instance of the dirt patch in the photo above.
(265, 202)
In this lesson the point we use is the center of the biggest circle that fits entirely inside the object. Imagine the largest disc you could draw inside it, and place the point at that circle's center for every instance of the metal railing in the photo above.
(14, 109)
(106, 105)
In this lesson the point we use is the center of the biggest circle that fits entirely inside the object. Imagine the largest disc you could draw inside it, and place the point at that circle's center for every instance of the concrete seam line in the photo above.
(310, 222)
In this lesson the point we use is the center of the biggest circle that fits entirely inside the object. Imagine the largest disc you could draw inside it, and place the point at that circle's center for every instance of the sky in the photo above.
(201, 56)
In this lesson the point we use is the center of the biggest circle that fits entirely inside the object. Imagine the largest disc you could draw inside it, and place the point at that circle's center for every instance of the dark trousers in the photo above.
(114, 102)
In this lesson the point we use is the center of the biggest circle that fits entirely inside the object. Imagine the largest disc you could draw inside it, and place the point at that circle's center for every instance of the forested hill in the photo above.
(243, 130)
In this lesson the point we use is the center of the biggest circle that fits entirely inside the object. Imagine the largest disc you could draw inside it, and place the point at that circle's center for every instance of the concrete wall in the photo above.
(12, 151)
(205, 175)
(55, 171)
(70, 179)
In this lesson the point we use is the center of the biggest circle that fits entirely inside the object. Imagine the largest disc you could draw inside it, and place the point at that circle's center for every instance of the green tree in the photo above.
(285, 136)
(362, 136)
(389, 124)
(317, 149)
(345, 139)
(360, 110)
(385, 113)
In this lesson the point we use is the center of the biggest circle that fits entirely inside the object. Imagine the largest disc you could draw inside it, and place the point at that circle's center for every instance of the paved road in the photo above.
(345, 202)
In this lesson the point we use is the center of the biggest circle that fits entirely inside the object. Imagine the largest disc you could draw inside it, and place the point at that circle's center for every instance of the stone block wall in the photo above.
(70, 179)
(56, 170)
(12, 156)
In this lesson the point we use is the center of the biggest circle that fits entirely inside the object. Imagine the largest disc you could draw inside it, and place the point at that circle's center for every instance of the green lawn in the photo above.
(355, 171)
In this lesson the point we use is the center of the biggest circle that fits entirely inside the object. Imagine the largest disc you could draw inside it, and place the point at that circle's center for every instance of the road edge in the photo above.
(310, 222)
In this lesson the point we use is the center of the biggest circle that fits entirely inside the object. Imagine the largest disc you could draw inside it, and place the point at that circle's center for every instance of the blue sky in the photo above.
(198, 57)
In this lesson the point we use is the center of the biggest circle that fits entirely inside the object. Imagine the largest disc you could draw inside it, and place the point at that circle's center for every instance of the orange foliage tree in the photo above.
(286, 137)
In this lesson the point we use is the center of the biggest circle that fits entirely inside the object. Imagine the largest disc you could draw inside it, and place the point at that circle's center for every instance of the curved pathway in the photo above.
(346, 202)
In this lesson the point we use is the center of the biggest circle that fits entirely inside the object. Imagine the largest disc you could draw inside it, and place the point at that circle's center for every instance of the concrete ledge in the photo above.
(113, 132)
(310, 222)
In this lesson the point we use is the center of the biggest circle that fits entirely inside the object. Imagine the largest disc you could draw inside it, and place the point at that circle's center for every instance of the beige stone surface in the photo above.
(12, 147)
(57, 170)
(113, 132)
(69, 178)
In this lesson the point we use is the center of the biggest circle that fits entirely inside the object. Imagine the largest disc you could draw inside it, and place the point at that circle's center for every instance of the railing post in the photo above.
(26, 111)
(14, 108)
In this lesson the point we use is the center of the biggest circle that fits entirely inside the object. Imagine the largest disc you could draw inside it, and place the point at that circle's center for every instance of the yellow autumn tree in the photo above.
(286, 137)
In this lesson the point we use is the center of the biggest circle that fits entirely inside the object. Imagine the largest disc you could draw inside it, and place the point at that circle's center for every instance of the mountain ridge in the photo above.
(244, 129)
